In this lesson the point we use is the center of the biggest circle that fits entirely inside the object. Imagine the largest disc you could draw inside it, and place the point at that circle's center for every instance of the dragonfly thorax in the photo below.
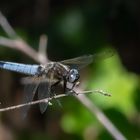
(73, 76)
(59, 71)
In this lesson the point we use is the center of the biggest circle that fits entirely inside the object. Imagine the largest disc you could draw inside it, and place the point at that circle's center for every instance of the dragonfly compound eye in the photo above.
(73, 75)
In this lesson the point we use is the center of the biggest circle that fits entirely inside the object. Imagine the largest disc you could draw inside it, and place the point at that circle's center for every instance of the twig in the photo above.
(7, 27)
(101, 92)
(16, 42)
(46, 100)
(22, 46)
(42, 48)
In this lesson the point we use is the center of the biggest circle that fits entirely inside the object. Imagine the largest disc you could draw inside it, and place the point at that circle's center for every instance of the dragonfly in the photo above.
(43, 79)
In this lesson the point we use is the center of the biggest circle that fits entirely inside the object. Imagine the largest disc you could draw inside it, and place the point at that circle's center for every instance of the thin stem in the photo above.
(46, 100)
(7, 27)
(22, 46)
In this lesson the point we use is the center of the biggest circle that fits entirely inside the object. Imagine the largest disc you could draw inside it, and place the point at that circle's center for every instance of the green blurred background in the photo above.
(76, 28)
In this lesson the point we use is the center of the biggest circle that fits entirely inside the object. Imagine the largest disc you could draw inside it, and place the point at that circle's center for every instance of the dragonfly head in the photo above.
(73, 76)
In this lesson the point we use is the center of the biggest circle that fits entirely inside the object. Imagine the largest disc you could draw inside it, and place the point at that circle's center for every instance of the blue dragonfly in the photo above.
(44, 79)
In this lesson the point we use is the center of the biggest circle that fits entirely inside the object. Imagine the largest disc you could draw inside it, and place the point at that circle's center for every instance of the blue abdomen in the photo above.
(21, 68)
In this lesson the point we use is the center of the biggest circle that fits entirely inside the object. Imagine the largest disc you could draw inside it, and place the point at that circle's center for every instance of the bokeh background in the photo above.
(76, 28)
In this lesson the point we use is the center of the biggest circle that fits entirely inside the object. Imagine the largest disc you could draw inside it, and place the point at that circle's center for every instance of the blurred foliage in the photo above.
(110, 76)
(117, 81)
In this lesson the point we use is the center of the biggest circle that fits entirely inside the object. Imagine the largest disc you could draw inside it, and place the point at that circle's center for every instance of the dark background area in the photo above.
(116, 22)
(74, 28)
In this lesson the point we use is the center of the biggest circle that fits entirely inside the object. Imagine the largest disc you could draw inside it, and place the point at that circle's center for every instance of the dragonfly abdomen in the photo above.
(21, 68)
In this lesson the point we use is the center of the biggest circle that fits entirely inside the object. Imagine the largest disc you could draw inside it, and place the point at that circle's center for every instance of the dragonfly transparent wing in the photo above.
(29, 93)
(79, 62)
(42, 94)
(44, 90)
(83, 61)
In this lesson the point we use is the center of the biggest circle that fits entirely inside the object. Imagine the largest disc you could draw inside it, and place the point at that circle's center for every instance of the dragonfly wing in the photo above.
(42, 94)
(31, 80)
(29, 93)
(83, 61)
(31, 85)
(79, 62)
(44, 91)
